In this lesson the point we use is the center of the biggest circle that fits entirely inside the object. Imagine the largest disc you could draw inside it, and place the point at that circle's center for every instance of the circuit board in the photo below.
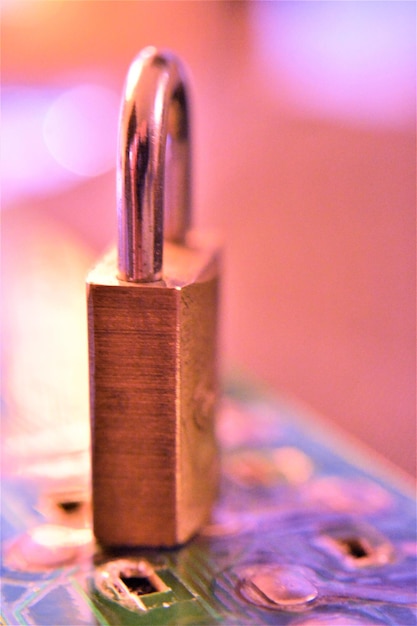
(306, 531)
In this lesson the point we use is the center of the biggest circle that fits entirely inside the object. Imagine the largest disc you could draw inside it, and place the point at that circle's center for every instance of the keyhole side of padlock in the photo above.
(154, 165)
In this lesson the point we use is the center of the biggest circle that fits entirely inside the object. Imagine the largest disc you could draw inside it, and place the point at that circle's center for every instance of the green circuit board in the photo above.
(306, 532)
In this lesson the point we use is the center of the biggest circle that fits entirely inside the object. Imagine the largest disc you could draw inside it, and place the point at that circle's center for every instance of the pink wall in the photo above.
(305, 162)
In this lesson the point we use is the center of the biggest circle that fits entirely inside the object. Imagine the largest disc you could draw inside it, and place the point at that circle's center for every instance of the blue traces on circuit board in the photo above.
(301, 535)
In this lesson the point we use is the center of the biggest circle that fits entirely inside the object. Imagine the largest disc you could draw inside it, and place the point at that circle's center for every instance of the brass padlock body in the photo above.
(153, 392)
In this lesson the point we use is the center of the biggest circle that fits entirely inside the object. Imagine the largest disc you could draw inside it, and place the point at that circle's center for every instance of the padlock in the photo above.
(152, 321)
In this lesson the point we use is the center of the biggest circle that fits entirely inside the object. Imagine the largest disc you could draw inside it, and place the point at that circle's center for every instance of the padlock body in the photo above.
(153, 390)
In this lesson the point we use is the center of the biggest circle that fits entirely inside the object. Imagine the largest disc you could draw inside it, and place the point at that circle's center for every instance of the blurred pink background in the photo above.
(304, 160)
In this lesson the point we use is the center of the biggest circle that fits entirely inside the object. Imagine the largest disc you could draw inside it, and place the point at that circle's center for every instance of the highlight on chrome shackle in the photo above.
(154, 164)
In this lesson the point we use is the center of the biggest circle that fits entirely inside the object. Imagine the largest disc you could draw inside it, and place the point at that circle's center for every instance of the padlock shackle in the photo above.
(154, 164)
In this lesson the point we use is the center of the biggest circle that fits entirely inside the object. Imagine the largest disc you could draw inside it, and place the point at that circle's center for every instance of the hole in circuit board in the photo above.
(70, 506)
(134, 584)
(139, 585)
(355, 547)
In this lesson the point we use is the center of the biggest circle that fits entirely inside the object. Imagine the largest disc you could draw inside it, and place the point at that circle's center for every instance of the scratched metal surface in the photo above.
(302, 534)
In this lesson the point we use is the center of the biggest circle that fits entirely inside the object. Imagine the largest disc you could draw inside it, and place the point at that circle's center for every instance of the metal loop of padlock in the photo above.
(153, 165)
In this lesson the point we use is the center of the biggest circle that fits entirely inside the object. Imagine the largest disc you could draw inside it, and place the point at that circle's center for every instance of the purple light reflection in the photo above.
(343, 60)
(52, 139)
